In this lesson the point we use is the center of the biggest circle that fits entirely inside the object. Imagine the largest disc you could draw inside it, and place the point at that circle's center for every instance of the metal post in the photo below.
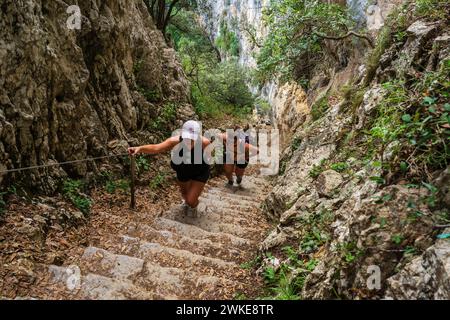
(133, 182)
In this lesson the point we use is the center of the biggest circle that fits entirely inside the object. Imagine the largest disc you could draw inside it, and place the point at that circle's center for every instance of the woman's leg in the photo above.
(184, 189)
(229, 169)
(239, 174)
(194, 192)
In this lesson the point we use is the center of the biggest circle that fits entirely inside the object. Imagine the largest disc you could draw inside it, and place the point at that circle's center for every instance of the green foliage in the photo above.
(73, 190)
(142, 164)
(319, 108)
(397, 239)
(316, 231)
(287, 281)
(295, 41)
(228, 85)
(417, 115)
(281, 285)
(218, 88)
(112, 186)
(240, 296)
(263, 106)
(316, 170)
(339, 167)
(251, 264)
(158, 181)
(137, 67)
(432, 9)
(296, 143)
(165, 119)
(349, 252)
(227, 41)
(373, 61)
(151, 95)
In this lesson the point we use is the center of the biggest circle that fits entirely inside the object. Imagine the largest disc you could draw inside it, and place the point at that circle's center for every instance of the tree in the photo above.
(300, 33)
(162, 11)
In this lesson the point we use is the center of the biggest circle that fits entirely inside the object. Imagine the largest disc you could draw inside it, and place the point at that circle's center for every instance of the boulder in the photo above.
(328, 182)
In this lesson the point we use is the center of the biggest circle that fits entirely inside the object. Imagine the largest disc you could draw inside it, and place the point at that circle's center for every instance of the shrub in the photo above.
(72, 190)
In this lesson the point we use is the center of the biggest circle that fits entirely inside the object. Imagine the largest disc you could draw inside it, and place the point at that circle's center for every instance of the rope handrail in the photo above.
(62, 163)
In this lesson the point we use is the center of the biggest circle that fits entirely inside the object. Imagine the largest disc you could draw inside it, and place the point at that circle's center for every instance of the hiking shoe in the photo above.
(196, 212)
(239, 180)
(184, 207)
(229, 184)
(191, 212)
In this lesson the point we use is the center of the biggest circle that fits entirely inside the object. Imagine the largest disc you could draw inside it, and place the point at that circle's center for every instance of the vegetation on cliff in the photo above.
(219, 85)
(390, 135)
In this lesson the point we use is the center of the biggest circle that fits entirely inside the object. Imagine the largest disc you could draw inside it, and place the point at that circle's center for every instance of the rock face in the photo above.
(357, 227)
(245, 19)
(65, 94)
(377, 12)
(426, 277)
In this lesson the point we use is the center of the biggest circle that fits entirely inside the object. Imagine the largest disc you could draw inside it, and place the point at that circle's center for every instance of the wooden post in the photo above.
(133, 182)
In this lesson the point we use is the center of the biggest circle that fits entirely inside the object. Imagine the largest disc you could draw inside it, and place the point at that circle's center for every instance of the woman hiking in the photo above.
(191, 168)
(236, 155)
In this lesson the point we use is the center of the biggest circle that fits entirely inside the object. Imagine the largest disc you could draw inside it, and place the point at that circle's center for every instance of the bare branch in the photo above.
(350, 33)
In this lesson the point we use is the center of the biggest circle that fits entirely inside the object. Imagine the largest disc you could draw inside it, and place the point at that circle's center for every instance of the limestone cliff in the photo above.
(71, 94)
(328, 202)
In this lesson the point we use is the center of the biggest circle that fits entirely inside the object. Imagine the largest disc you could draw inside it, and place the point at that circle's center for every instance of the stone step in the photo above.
(102, 262)
(229, 200)
(171, 257)
(204, 247)
(194, 232)
(237, 216)
(187, 285)
(235, 210)
(97, 287)
(234, 196)
(214, 222)
(224, 203)
(165, 281)
(248, 183)
(183, 259)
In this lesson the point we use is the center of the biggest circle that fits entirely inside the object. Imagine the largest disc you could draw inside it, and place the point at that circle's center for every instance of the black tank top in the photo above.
(192, 165)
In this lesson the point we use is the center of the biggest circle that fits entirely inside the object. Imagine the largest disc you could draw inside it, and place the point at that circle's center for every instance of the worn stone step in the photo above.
(102, 262)
(97, 287)
(229, 200)
(165, 282)
(170, 257)
(238, 192)
(185, 284)
(213, 222)
(227, 204)
(248, 183)
(233, 196)
(231, 210)
(204, 247)
(195, 232)
(220, 215)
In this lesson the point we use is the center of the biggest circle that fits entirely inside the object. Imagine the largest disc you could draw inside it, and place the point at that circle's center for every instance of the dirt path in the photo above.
(169, 256)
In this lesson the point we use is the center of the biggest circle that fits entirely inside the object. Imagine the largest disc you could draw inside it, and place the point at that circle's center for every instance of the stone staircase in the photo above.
(173, 256)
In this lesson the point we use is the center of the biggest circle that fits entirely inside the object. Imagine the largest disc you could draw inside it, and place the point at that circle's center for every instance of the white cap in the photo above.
(191, 130)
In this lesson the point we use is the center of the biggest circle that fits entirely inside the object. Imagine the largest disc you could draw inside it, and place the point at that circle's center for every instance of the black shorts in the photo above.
(188, 173)
(240, 166)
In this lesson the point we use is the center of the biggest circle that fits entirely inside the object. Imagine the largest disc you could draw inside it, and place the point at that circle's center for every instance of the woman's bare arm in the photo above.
(251, 150)
(165, 146)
